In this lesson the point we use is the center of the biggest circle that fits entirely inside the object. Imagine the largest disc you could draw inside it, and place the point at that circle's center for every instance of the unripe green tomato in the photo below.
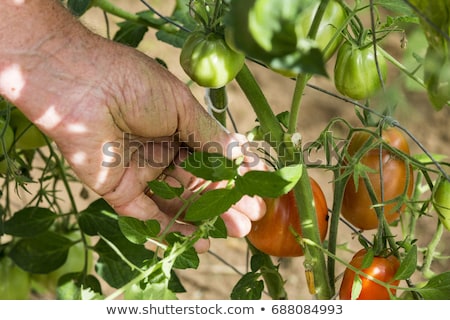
(27, 134)
(14, 282)
(209, 61)
(355, 71)
(441, 201)
(333, 18)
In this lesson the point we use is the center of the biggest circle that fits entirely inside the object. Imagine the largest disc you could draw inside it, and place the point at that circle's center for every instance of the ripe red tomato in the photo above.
(357, 205)
(272, 234)
(381, 268)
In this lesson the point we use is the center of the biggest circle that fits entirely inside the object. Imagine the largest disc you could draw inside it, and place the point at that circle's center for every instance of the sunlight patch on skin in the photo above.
(50, 119)
(18, 2)
(101, 178)
(77, 128)
(79, 158)
(12, 82)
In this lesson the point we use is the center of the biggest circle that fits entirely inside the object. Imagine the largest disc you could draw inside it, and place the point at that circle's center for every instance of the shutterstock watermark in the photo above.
(160, 153)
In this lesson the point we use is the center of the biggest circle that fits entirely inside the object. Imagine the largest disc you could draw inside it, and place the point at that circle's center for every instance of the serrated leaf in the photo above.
(110, 265)
(187, 260)
(212, 204)
(210, 166)
(130, 33)
(164, 190)
(29, 222)
(437, 288)
(408, 265)
(249, 287)
(41, 254)
(219, 231)
(98, 218)
(269, 184)
(138, 231)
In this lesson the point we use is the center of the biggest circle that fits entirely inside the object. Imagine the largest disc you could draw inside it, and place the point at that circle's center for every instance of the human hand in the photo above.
(117, 116)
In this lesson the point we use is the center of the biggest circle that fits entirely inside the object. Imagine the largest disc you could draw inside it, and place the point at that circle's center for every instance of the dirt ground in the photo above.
(215, 277)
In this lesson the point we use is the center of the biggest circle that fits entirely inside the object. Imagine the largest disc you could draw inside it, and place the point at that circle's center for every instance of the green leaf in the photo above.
(212, 204)
(248, 287)
(408, 265)
(438, 288)
(29, 222)
(152, 291)
(138, 231)
(266, 31)
(164, 190)
(112, 268)
(219, 231)
(98, 218)
(41, 254)
(187, 260)
(173, 35)
(78, 7)
(130, 33)
(269, 184)
(397, 6)
(72, 285)
(210, 166)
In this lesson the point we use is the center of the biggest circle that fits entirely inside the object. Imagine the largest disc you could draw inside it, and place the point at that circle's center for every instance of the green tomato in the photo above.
(27, 134)
(355, 71)
(209, 61)
(333, 19)
(14, 282)
(441, 201)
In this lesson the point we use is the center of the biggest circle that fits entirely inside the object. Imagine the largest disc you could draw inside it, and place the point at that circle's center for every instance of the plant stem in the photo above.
(300, 85)
(107, 6)
(314, 257)
(217, 103)
(269, 123)
(431, 249)
(404, 69)
(334, 224)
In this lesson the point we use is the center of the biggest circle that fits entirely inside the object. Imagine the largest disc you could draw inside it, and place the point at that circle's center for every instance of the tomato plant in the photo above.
(397, 180)
(374, 173)
(356, 71)
(209, 61)
(359, 287)
(275, 233)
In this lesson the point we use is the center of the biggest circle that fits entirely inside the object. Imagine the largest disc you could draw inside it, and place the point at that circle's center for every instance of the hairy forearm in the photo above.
(44, 52)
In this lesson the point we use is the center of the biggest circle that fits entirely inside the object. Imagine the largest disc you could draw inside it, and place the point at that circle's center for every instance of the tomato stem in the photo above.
(300, 85)
(270, 126)
(314, 257)
(334, 223)
(217, 103)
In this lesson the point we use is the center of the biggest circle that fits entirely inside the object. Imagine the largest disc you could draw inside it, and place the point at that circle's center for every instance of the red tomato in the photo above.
(272, 233)
(357, 205)
(381, 268)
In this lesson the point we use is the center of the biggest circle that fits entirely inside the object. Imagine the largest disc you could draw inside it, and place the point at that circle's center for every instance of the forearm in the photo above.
(42, 57)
